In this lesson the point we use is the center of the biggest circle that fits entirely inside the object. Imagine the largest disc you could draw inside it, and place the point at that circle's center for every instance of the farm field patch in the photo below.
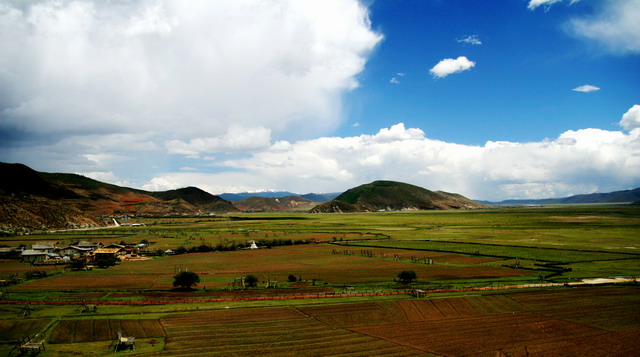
(527, 253)
(519, 334)
(538, 323)
(73, 331)
(88, 281)
(269, 332)
(9, 267)
(340, 253)
(309, 261)
(12, 330)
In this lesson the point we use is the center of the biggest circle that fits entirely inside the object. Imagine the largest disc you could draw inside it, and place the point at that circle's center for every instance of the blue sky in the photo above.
(490, 99)
(520, 89)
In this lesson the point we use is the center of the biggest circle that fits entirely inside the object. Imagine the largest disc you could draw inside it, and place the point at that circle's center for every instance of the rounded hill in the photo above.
(396, 196)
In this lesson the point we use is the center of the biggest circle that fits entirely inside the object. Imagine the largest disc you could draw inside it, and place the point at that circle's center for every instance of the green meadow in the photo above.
(590, 241)
(327, 253)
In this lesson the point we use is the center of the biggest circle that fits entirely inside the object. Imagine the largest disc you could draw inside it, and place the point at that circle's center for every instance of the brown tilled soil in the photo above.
(559, 322)
(71, 331)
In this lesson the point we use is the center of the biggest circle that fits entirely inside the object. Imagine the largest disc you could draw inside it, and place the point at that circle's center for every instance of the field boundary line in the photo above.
(323, 296)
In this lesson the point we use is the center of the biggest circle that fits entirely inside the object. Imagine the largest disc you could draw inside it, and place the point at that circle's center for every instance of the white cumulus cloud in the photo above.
(236, 139)
(179, 70)
(631, 119)
(615, 26)
(449, 66)
(577, 161)
(586, 88)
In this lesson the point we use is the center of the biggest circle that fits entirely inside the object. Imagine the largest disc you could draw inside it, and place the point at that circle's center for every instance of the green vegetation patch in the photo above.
(504, 251)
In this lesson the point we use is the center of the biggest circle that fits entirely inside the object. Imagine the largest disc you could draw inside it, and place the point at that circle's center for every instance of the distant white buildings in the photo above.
(46, 247)
(34, 256)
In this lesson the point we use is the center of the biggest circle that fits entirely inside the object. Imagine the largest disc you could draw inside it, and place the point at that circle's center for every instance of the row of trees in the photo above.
(231, 246)
(188, 279)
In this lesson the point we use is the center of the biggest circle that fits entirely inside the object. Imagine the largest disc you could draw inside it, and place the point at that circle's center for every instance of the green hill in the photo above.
(396, 196)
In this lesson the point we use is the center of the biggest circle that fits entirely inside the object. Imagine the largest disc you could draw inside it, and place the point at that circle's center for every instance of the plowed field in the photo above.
(561, 322)
(70, 331)
(268, 332)
(486, 335)
(14, 330)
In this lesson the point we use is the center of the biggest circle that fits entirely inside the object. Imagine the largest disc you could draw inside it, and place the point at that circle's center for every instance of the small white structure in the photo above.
(253, 245)
(124, 343)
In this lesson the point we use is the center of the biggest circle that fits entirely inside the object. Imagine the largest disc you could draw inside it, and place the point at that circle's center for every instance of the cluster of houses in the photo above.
(49, 253)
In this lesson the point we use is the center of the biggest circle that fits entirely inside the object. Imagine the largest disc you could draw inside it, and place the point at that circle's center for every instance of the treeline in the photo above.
(231, 246)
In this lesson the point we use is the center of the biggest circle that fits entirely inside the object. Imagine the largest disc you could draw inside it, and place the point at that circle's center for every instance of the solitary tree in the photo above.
(186, 279)
(292, 278)
(251, 280)
(407, 276)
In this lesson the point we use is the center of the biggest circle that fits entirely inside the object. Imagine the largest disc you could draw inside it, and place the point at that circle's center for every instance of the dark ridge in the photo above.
(20, 179)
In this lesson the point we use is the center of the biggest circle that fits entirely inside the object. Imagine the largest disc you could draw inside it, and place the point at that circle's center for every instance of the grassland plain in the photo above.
(359, 252)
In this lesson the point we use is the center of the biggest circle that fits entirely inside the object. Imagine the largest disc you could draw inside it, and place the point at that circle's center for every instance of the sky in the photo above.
(492, 99)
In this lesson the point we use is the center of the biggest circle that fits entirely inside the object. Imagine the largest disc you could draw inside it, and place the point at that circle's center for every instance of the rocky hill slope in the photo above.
(31, 200)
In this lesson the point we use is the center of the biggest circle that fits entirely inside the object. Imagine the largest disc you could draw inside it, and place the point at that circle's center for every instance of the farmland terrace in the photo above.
(573, 321)
(493, 282)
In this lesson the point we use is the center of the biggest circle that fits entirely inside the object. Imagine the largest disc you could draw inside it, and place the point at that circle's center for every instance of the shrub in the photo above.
(204, 248)
(292, 278)
(77, 264)
(186, 279)
(407, 276)
(251, 280)
(106, 262)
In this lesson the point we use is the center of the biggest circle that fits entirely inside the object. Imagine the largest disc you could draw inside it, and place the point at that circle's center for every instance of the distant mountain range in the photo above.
(394, 196)
(270, 204)
(313, 197)
(37, 201)
(626, 196)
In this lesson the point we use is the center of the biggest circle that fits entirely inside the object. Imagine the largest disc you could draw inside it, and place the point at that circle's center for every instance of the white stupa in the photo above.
(253, 245)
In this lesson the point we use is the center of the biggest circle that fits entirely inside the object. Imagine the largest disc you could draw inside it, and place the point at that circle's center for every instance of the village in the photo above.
(84, 251)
